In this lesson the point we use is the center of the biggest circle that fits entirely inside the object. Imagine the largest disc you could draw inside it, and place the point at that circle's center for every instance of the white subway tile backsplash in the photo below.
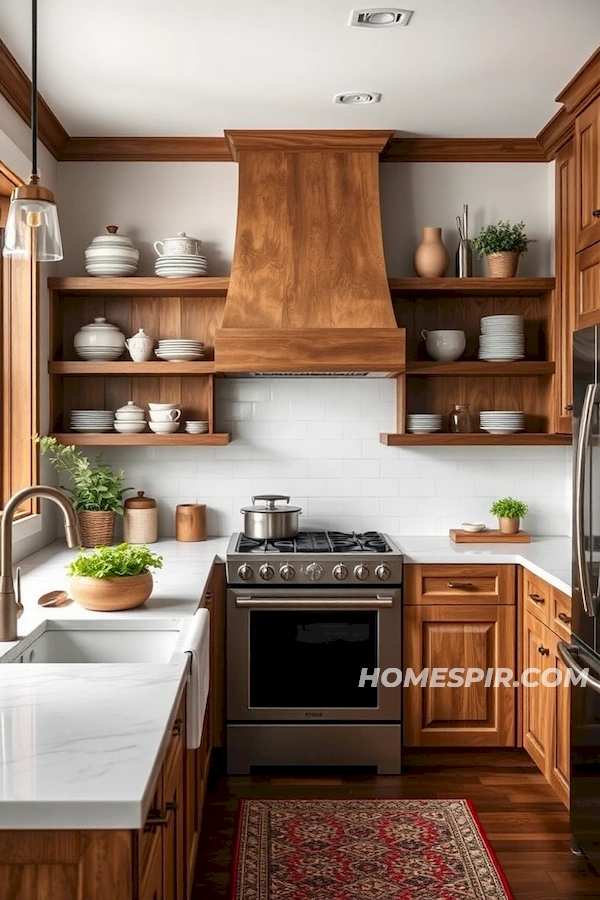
(318, 441)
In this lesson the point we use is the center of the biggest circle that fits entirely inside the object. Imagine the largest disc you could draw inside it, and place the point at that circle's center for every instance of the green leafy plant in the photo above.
(509, 508)
(500, 238)
(94, 485)
(111, 562)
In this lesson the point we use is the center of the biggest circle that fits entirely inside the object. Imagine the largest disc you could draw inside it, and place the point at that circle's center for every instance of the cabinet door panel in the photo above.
(588, 287)
(537, 701)
(536, 597)
(587, 150)
(459, 637)
(560, 747)
(566, 283)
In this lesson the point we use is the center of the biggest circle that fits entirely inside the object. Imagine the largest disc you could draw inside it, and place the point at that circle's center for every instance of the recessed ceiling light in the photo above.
(357, 98)
(380, 17)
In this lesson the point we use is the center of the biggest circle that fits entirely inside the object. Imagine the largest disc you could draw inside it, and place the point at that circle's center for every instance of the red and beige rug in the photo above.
(364, 850)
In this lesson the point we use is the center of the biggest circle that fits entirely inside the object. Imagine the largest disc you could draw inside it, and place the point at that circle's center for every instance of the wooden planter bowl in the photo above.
(111, 594)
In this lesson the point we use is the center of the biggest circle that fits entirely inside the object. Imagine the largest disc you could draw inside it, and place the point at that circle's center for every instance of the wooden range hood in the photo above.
(308, 291)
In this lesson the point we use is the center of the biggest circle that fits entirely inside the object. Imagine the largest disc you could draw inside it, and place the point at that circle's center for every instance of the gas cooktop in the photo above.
(335, 558)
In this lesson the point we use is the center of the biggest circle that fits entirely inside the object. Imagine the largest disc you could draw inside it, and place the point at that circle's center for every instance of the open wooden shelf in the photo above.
(144, 439)
(474, 287)
(76, 367)
(483, 369)
(152, 286)
(475, 439)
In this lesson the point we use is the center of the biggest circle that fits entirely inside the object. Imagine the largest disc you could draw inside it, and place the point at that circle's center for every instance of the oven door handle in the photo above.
(567, 653)
(328, 603)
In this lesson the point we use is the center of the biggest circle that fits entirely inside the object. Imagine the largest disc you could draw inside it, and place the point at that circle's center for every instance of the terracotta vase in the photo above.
(111, 594)
(96, 527)
(503, 265)
(431, 257)
(509, 526)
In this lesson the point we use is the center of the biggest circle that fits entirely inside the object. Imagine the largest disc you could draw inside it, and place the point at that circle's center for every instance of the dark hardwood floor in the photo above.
(526, 824)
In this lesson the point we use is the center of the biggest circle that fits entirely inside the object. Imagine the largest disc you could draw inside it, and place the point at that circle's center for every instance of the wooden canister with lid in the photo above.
(140, 520)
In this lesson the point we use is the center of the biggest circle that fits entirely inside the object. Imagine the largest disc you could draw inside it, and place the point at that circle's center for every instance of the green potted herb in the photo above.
(509, 513)
(96, 491)
(113, 578)
(502, 245)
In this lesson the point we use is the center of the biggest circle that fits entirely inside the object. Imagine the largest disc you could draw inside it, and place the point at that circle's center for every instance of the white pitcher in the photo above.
(140, 346)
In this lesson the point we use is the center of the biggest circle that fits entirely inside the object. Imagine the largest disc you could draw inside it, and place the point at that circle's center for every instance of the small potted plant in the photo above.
(113, 578)
(96, 491)
(502, 245)
(509, 513)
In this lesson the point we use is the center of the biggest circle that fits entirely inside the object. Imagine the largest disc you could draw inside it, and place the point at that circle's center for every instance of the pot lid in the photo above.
(112, 239)
(182, 234)
(100, 322)
(140, 502)
(269, 505)
(130, 407)
(141, 334)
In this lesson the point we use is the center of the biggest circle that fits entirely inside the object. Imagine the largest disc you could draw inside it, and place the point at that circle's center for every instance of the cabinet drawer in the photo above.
(537, 597)
(560, 614)
(457, 584)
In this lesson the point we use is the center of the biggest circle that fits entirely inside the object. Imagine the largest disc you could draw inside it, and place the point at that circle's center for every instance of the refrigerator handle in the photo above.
(567, 654)
(585, 426)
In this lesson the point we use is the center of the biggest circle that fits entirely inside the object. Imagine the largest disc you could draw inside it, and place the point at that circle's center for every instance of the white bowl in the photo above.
(129, 427)
(473, 527)
(163, 427)
(130, 417)
(154, 406)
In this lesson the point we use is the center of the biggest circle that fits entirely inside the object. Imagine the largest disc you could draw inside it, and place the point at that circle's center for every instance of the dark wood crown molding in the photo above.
(15, 87)
(146, 149)
(487, 150)
(583, 87)
(556, 132)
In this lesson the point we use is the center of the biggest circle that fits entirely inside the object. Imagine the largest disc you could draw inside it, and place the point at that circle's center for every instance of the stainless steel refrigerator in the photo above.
(583, 652)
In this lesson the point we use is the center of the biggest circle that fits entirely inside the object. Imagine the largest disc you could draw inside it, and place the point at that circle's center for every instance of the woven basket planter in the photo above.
(503, 265)
(97, 528)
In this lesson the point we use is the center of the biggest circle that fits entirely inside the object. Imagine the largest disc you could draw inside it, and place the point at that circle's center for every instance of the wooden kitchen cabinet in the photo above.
(459, 617)
(546, 710)
(566, 283)
(587, 157)
(214, 599)
(588, 286)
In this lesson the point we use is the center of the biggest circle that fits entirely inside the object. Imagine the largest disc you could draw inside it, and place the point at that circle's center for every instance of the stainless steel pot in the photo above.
(270, 522)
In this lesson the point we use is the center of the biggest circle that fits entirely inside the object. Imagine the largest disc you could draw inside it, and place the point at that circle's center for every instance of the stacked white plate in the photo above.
(502, 339)
(196, 426)
(186, 265)
(180, 350)
(92, 420)
(99, 352)
(501, 421)
(423, 423)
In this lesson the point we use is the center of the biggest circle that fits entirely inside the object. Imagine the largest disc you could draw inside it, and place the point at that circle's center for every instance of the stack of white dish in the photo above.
(92, 420)
(180, 350)
(196, 426)
(182, 265)
(164, 418)
(502, 339)
(111, 255)
(130, 419)
(424, 423)
(501, 421)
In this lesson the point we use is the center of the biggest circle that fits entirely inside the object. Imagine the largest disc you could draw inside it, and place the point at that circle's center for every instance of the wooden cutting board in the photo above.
(490, 536)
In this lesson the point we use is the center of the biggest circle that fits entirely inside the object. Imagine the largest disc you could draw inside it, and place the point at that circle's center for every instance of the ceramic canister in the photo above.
(179, 245)
(140, 520)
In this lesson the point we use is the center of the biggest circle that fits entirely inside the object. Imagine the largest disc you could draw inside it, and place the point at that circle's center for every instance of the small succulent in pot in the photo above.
(509, 512)
(502, 244)
(113, 578)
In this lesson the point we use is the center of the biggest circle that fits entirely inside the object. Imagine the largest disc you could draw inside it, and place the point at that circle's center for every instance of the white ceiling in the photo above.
(462, 68)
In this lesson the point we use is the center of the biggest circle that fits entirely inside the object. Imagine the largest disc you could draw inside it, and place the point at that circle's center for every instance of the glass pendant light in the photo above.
(32, 225)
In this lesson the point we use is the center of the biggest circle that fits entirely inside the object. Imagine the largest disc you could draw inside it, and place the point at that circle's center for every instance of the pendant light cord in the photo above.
(34, 93)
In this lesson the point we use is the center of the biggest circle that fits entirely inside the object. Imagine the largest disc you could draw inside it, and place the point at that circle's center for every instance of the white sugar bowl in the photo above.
(130, 413)
(111, 255)
(140, 346)
(99, 340)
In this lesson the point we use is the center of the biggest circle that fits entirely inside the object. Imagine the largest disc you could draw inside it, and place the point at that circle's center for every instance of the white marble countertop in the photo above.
(81, 745)
(548, 557)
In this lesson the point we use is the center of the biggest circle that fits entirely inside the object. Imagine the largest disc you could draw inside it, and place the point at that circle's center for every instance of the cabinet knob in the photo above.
(544, 651)
(177, 727)
(564, 618)
(569, 407)
(460, 585)
(596, 213)
(536, 598)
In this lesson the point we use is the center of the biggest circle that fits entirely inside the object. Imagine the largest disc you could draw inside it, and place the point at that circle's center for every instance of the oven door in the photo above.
(297, 655)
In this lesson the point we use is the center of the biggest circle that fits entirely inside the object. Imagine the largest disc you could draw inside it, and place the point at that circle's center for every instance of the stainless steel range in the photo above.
(307, 618)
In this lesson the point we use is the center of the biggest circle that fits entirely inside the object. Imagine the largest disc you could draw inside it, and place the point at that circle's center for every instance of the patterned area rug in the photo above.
(364, 850)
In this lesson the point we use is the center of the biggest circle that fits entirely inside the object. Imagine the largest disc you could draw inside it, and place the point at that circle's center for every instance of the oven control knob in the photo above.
(245, 572)
(361, 572)
(340, 572)
(287, 572)
(314, 571)
(383, 572)
(266, 572)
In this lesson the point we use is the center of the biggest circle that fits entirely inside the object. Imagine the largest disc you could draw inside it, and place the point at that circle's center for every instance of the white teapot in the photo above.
(140, 346)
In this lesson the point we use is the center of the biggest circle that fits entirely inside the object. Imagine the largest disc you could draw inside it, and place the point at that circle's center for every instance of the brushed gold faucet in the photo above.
(10, 604)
